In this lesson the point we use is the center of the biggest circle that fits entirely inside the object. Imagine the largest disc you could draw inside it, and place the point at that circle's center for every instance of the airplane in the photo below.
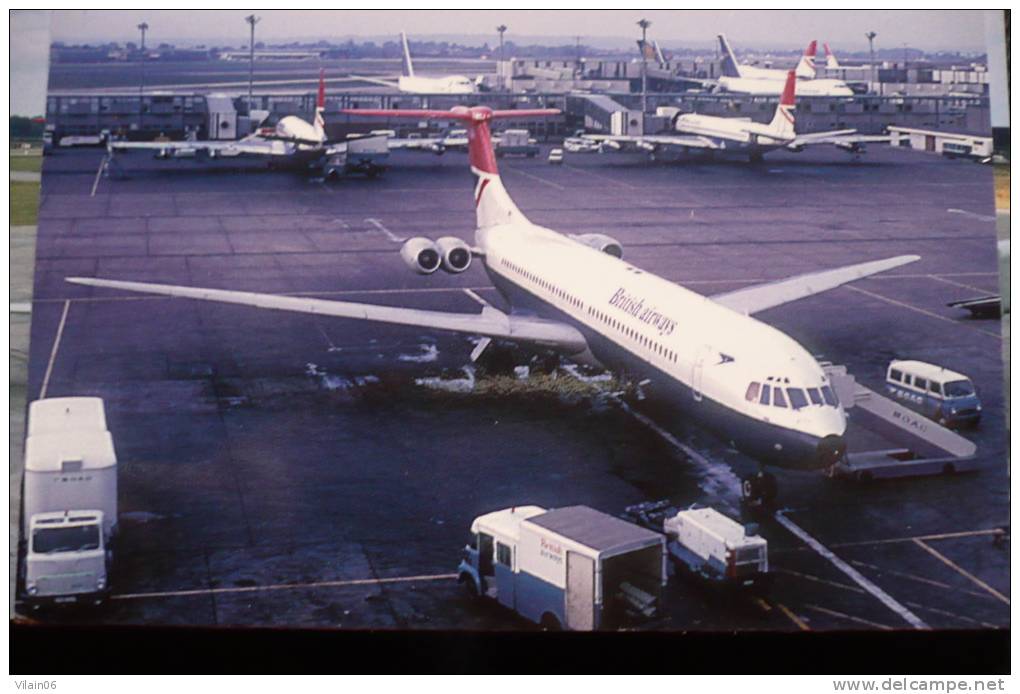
(409, 83)
(712, 134)
(292, 142)
(830, 58)
(706, 357)
(746, 79)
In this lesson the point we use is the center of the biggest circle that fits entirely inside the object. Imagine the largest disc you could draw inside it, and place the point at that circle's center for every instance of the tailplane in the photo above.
(830, 58)
(806, 66)
(320, 108)
(493, 205)
(408, 70)
(730, 66)
(783, 122)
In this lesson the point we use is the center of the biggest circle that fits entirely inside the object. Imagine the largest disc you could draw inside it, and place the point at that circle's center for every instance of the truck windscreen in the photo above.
(78, 538)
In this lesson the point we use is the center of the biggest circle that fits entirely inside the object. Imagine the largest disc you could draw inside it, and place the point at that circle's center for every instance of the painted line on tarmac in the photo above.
(919, 579)
(282, 586)
(53, 352)
(818, 579)
(801, 624)
(953, 615)
(537, 178)
(851, 572)
(915, 309)
(972, 215)
(959, 284)
(849, 617)
(953, 565)
(602, 176)
(381, 227)
(939, 536)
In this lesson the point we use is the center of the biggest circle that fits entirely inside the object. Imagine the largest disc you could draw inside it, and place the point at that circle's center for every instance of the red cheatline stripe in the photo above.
(481, 188)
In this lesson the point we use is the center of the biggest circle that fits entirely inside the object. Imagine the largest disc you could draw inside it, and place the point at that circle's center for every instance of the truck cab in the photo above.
(490, 555)
(66, 558)
(946, 396)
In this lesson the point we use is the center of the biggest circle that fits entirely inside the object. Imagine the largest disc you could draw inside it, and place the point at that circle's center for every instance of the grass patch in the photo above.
(24, 203)
(1002, 186)
(26, 162)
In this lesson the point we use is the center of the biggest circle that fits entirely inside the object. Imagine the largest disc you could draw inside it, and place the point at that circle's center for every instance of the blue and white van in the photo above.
(946, 396)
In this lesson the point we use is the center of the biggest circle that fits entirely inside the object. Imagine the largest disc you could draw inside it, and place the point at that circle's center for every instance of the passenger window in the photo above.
(797, 399)
(921, 383)
(504, 555)
(896, 374)
(935, 387)
(816, 397)
(778, 399)
(906, 379)
(752, 392)
(830, 397)
(766, 394)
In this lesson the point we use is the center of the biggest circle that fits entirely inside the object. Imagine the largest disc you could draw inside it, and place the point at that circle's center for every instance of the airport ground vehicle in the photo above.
(556, 156)
(572, 567)
(579, 144)
(69, 515)
(709, 545)
(517, 142)
(946, 396)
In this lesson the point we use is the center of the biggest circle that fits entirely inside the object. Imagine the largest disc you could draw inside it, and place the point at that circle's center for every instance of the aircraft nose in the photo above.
(831, 450)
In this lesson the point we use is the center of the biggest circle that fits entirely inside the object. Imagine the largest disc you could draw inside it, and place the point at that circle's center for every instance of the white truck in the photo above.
(69, 502)
(709, 545)
(517, 142)
(572, 567)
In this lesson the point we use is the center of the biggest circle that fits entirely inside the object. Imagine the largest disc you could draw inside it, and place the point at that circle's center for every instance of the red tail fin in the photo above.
(320, 102)
(789, 89)
(812, 49)
(477, 118)
(827, 51)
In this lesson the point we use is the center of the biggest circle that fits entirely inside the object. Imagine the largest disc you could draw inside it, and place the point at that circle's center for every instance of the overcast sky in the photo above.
(930, 30)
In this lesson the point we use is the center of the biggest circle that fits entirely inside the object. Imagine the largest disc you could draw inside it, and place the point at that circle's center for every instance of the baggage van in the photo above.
(574, 567)
(946, 396)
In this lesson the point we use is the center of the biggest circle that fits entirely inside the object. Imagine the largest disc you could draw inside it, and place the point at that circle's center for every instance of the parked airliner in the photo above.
(409, 83)
(746, 79)
(705, 356)
(714, 134)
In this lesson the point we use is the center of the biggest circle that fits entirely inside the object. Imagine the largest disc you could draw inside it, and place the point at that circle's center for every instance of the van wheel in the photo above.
(941, 418)
(550, 622)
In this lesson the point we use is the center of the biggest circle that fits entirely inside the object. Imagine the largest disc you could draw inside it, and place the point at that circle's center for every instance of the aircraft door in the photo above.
(698, 370)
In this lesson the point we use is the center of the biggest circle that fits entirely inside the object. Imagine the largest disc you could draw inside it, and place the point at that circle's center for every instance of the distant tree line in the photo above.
(27, 128)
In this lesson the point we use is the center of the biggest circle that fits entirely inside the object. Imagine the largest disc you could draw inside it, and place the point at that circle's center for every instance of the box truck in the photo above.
(69, 502)
(572, 567)
(707, 544)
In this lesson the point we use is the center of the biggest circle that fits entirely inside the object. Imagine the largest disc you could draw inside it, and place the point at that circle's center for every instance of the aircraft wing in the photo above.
(751, 300)
(491, 322)
(375, 80)
(655, 141)
(428, 144)
(839, 138)
(226, 147)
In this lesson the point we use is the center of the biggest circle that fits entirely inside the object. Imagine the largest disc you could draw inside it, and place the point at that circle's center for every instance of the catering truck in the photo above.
(69, 503)
(572, 567)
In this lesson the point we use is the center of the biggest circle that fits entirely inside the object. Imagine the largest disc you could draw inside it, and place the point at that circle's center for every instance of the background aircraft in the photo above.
(707, 357)
(746, 79)
(715, 134)
(409, 83)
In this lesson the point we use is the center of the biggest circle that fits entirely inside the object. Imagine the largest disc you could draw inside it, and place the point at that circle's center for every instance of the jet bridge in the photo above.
(933, 449)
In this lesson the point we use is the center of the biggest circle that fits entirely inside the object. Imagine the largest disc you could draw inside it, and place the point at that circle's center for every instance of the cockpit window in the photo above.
(830, 397)
(778, 399)
(752, 392)
(797, 399)
(766, 394)
(816, 397)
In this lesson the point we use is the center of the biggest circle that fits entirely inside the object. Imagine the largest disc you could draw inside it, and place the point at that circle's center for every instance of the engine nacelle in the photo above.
(601, 242)
(421, 255)
(455, 254)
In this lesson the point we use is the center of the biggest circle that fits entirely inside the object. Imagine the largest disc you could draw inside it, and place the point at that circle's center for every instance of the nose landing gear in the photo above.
(758, 492)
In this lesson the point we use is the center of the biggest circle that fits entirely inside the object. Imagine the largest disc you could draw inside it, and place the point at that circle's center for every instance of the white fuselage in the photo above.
(770, 87)
(453, 84)
(738, 131)
(669, 332)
